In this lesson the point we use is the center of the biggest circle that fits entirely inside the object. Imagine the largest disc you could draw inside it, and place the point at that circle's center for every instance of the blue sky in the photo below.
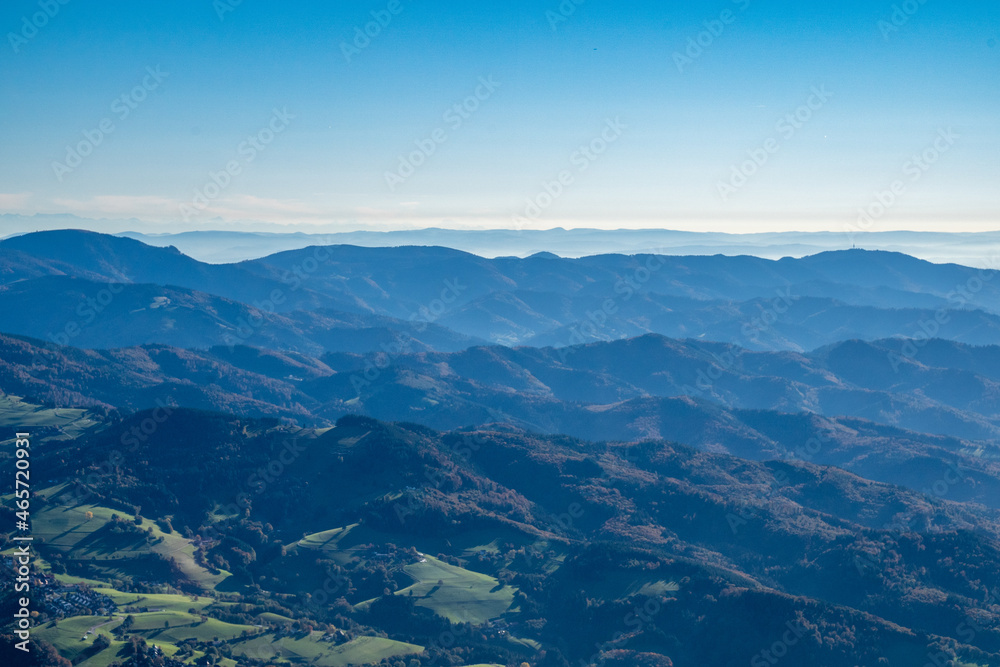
(318, 135)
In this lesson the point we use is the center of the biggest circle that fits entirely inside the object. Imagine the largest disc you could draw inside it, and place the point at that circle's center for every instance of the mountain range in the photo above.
(55, 280)
(343, 455)
(229, 242)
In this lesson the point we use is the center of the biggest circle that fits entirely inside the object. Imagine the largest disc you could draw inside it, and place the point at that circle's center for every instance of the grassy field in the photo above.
(268, 617)
(74, 637)
(168, 623)
(68, 424)
(80, 537)
(341, 543)
(71, 531)
(181, 603)
(173, 627)
(69, 636)
(338, 544)
(621, 585)
(461, 596)
(70, 580)
(360, 651)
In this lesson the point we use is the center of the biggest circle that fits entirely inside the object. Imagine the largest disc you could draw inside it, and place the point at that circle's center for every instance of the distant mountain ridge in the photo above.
(223, 245)
(792, 304)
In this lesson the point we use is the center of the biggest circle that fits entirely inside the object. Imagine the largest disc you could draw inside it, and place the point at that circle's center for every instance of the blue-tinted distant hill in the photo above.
(100, 257)
(255, 240)
(96, 315)
(542, 300)
(980, 250)
(903, 425)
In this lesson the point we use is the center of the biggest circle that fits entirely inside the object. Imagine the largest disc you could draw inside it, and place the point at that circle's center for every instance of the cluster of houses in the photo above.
(336, 637)
(77, 601)
(498, 628)
(56, 598)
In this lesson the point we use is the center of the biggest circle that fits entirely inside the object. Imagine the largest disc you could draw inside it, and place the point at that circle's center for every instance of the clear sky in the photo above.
(321, 124)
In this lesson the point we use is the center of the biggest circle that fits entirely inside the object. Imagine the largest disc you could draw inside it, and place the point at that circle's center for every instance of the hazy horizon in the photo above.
(238, 243)
(730, 117)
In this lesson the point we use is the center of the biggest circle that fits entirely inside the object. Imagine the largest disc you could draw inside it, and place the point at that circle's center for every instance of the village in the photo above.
(58, 599)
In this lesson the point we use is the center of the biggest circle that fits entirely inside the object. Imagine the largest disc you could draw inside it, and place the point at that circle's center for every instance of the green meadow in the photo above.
(457, 594)
(79, 532)
(67, 424)
(360, 651)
